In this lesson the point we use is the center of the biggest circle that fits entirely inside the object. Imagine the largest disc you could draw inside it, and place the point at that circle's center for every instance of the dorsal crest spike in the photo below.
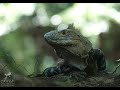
(71, 26)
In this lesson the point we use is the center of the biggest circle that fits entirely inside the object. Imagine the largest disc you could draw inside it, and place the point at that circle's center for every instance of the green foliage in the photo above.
(21, 49)
(6, 57)
(54, 8)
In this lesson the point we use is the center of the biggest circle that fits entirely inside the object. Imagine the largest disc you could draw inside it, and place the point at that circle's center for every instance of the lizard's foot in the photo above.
(78, 75)
(51, 71)
(59, 69)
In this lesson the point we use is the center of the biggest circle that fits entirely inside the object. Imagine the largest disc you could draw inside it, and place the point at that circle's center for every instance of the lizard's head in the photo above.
(66, 37)
(69, 38)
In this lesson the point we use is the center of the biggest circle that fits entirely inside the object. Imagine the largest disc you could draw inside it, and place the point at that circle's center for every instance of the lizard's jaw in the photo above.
(58, 42)
(55, 39)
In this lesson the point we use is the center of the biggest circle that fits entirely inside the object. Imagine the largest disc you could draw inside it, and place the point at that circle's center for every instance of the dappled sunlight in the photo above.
(82, 13)
(23, 8)
(88, 17)
(114, 14)
(41, 18)
(95, 28)
(56, 19)
(3, 29)
(62, 26)
(10, 13)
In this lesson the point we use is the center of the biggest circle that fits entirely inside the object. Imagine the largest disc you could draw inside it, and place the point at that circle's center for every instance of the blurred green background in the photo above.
(22, 26)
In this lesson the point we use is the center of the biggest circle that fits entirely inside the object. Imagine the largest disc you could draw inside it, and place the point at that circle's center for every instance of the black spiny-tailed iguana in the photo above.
(77, 52)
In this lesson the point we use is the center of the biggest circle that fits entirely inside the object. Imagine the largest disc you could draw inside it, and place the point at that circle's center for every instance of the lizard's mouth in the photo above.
(62, 42)
(65, 39)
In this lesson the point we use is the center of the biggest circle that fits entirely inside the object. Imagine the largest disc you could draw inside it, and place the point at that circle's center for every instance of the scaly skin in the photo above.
(77, 52)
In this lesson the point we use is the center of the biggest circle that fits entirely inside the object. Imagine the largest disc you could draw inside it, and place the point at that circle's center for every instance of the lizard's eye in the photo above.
(78, 35)
(63, 32)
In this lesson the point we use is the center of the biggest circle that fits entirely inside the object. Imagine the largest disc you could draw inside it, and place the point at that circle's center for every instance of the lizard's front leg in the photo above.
(101, 62)
(61, 68)
(96, 62)
(73, 72)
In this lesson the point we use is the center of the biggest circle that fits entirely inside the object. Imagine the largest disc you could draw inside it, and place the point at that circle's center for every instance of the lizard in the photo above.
(76, 51)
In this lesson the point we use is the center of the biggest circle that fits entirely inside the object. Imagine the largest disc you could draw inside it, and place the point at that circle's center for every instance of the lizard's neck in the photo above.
(78, 50)
(64, 53)
(70, 52)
